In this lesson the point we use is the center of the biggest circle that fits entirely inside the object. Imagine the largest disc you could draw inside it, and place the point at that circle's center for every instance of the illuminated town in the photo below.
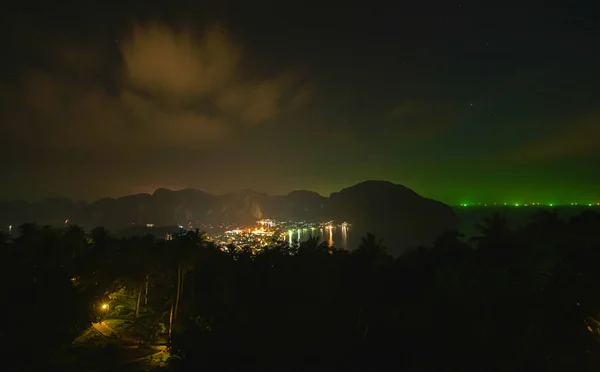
(266, 232)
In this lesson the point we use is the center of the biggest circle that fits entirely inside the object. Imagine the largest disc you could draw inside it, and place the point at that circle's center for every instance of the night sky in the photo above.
(457, 100)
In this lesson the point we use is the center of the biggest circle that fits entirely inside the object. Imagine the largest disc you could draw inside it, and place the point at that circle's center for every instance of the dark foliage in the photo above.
(511, 299)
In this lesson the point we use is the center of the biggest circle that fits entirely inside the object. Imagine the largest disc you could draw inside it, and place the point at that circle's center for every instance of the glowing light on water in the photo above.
(345, 236)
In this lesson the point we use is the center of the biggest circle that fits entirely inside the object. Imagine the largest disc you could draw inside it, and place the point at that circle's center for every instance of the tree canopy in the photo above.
(511, 298)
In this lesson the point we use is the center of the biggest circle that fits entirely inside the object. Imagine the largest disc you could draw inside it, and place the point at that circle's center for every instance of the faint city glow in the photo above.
(149, 225)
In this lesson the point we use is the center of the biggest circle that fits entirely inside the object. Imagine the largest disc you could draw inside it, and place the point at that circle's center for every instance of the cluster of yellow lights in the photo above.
(260, 231)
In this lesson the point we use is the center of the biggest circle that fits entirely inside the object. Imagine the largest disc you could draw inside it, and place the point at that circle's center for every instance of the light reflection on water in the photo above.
(334, 235)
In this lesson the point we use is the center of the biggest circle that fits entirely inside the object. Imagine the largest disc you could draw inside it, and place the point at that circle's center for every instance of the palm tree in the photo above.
(75, 242)
(5, 243)
(140, 263)
(494, 231)
(26, 241)
(369, 260)
(449, 238)
(312, 245)
(371, 248)
(100, 237)
(546, 219)
(186, 250)
(450, 247)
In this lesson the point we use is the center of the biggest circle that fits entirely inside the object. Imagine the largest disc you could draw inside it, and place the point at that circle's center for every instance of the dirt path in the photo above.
(104, 329)
(108, 331)
(157, 359)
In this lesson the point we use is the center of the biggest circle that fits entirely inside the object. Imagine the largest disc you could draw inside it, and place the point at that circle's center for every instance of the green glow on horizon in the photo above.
(536, 204)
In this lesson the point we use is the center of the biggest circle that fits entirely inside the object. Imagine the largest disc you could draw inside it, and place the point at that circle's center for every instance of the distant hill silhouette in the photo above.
(394, 213)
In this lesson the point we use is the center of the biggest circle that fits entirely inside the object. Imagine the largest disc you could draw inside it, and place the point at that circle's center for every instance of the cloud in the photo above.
(254, 103)
(173, 89)
(161, 105)
(580, 138)
(161, 60)
(189, 67)
(257, 101)
(173, 128)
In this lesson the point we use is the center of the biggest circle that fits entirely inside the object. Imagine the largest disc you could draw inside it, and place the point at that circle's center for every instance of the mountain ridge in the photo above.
(391, 211)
